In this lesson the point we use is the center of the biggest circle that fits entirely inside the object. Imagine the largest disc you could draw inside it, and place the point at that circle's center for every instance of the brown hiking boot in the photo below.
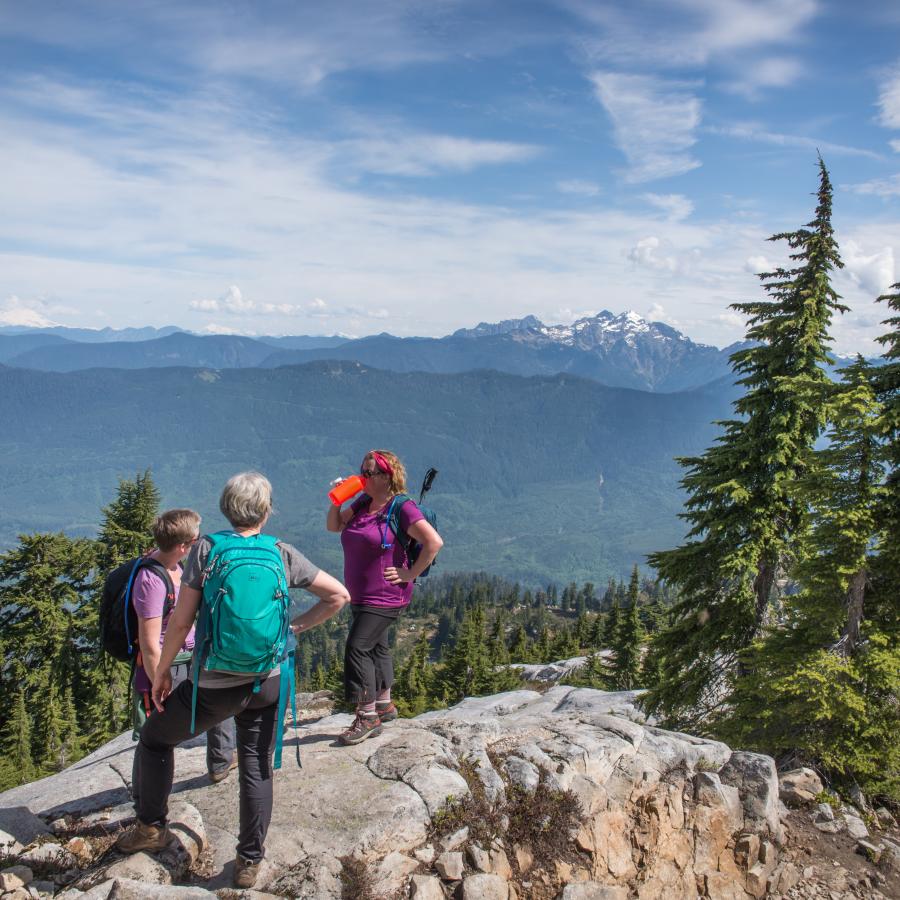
(387, 712)
(222, 774)
(142, 837)
(362, 728)
(245, 872)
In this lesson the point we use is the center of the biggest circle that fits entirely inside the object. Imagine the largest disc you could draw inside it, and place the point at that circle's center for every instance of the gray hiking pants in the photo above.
(255, 719)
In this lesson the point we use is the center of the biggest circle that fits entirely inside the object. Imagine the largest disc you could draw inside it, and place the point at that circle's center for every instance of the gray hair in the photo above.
(246, 499)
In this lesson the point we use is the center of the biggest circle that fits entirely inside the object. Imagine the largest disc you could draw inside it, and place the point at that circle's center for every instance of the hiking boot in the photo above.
(143, 837)
(245, 872)
(387, 712)
(222, 774)
(362, 727)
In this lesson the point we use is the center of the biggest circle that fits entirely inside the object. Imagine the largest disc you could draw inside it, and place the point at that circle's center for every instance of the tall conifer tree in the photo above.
(742, 505)
(629, 637)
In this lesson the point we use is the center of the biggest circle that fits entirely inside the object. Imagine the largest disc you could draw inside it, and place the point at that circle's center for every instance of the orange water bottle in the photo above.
(348, 488)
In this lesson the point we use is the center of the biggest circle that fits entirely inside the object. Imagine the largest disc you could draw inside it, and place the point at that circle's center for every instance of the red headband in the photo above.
(381, 462)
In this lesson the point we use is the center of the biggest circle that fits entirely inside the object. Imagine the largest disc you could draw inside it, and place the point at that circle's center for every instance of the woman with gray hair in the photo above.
(227, 576)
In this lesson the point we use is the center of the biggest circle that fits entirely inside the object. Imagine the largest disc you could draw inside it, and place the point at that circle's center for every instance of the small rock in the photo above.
(485, 887)
(479, 858)
(746, 850)
(890, 858)
(140, 867)
(59, 826)
(858, 798)
(824, 813)
(128, 889)
(52, 853)
(524, 858)
(856, 828)
(828, 827)
(10, 844)
(809, 872)
(872, 852)
(18, 893)
(885, 818)
(15, 877)
(799, 787)
(425, 854)
(456, 840)
(593, 890)
(449, 865)
(426, 887)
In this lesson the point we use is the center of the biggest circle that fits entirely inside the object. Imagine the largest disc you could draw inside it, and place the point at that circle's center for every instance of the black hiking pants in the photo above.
(255, 719)
(368, 667)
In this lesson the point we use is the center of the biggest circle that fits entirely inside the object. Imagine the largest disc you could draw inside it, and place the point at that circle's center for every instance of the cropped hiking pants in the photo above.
(255, 716)
(368, 667)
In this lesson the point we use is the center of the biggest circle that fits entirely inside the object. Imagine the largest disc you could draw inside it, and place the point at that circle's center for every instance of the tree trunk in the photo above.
(762, 588)
(856, 592)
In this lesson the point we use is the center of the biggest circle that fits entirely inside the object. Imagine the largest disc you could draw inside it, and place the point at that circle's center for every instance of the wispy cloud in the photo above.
(412, 154)
(889, 100)
(879, 187)
(675, 206)
(873, 271)
(15, 311)
(578, 187)
(235, 303)
(772, 72)
(754, 131)
(654, 122)
(695, 32)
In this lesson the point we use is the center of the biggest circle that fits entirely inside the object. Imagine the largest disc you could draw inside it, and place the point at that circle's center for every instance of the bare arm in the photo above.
(333, 597)
(148, 640)
(431, 543)
(176, 631)
(337, 518)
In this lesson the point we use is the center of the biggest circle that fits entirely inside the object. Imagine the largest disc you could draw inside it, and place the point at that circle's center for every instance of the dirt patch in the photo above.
(831, 866)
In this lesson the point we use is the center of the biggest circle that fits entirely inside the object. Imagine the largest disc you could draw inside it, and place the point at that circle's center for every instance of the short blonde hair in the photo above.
(398, 471)
(174, 527)
(246, 499)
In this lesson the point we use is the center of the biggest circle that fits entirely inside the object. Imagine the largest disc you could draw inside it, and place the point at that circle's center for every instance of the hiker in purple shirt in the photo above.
(380, 580)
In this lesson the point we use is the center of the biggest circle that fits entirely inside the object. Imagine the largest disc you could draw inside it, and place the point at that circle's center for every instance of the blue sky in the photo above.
(416, 167)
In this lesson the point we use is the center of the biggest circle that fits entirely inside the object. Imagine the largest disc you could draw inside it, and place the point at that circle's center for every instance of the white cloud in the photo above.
(889, 100)
(879, 187)
(578, 187)
(658, 313)
(753, 131)
(895, 146)
(757, 264)
(654, 122)
(646, 253)
(675, 206)
(772, 72)
(234, 303)
(17, 312)
(317, 304)
(689, 32)
(874, 272)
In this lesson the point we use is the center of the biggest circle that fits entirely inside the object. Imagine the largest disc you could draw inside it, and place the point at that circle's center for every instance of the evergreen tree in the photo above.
(611, 626)
(16, 765)
(742, 506)
(520, 652)
(829, 671)
(412, 688)
(629, 637)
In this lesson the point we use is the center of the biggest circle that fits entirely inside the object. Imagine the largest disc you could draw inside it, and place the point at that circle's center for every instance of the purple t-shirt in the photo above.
(148, 594)
(365, 559)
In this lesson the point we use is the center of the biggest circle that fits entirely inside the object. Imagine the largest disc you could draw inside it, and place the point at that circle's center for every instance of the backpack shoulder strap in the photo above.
(394, 521)
(161, 572)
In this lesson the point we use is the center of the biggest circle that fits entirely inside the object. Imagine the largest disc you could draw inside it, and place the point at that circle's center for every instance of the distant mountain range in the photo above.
(618, 350)
(545, 477)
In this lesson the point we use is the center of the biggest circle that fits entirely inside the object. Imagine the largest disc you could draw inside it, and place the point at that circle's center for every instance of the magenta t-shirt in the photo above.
(148, 594)
(365, 559)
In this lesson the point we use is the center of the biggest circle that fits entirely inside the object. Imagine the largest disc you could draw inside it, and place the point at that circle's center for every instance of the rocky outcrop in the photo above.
(658, 814)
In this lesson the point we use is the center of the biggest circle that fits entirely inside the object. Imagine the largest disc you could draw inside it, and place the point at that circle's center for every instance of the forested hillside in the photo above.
(540, 478)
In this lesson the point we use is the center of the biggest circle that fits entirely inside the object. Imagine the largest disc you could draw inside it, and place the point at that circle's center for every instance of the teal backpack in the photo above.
(244, 621)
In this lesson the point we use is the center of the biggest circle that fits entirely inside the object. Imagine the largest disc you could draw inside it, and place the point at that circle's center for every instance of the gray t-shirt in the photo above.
(300, 573)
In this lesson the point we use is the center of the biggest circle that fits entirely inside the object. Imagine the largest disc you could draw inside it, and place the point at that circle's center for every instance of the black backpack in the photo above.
(118, 618)
(412, 547)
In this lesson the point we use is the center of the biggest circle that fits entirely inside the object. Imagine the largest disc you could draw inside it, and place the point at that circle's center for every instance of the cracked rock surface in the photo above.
(663, 812)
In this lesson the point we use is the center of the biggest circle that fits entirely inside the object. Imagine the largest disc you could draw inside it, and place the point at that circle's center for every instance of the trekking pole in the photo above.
(427, 482)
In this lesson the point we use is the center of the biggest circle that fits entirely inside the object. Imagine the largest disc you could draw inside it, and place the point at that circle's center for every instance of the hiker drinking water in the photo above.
(237, 580)
(378, 531)
(154, 594)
